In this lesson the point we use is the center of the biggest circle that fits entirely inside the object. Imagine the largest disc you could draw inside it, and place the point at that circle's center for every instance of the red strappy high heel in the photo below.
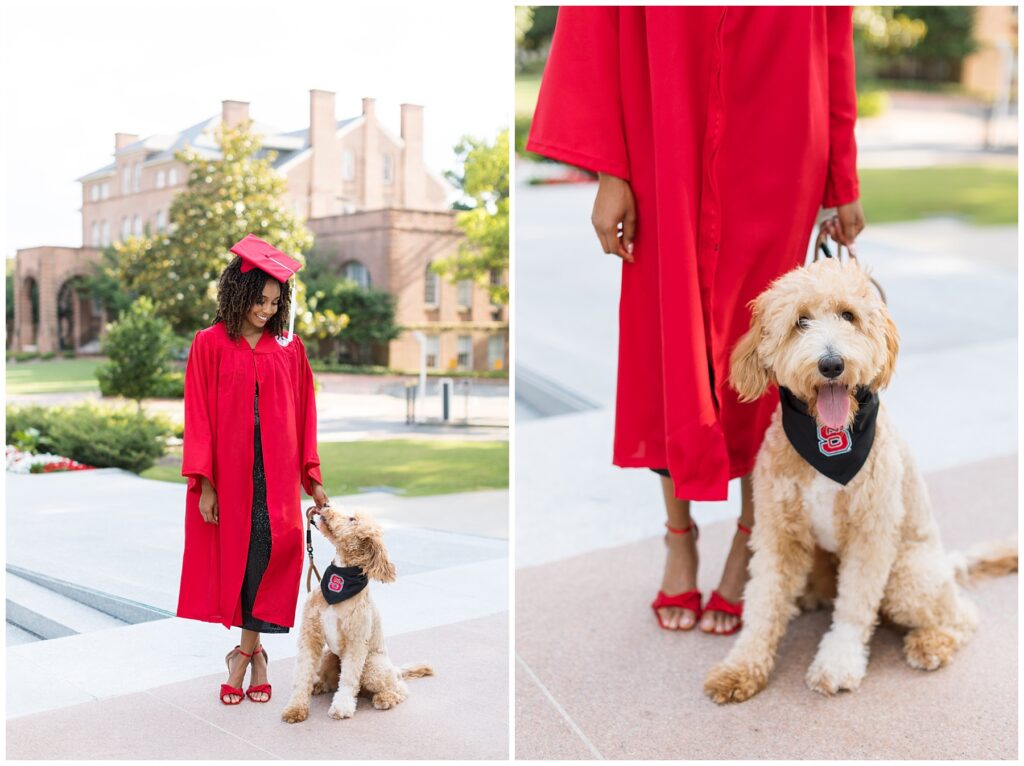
(259, 687)
(687, 600)
(718, 603)
(226, 689)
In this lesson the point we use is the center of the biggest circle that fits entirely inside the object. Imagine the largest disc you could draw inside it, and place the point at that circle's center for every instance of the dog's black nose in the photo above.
(831, 366)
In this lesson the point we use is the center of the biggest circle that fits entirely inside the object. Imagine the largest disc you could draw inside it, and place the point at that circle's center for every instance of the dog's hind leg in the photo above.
(382, 679)
(311, 641)
(782, 548)
(922, 595)
(327, 676)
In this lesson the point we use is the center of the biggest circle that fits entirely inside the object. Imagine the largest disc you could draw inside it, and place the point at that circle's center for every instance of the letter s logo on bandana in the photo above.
(834, 441)
(336, 583)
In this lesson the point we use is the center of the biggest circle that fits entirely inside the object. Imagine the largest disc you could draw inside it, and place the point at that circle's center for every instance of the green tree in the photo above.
(227, 197)
(139, 345)
(370, 317)
(483, 216)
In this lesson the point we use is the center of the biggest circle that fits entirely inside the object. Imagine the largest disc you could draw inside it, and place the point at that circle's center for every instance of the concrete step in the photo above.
(48, 614)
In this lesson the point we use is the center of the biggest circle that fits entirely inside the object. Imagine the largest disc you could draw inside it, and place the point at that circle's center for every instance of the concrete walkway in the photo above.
(595, 675)
(112, 532)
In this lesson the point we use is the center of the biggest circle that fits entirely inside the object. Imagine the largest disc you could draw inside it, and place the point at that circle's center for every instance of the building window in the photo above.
(432, 289)
(465, 293)
(137, 225)
(387, 168)
(348, 165)
(105, 233)
(126, 179)
(496, 281)
(94, 192)
(137, 176)
(104, 190)
(126, 228)
(356, 272)
(160, 222)
(496, 352)
(465, 349)
(433, 350)
(95, 240)
(161, 179)
(172, 176)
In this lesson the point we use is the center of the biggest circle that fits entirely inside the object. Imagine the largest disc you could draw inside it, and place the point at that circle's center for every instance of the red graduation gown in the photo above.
(732, 125)
(220, 385)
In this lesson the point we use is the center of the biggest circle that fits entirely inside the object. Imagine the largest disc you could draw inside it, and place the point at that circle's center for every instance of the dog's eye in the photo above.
(803, 322)
(847, 316)
(351, 518)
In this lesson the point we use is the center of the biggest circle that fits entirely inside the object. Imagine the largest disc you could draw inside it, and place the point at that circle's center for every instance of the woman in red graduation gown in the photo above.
(250, 446)
(717, 133)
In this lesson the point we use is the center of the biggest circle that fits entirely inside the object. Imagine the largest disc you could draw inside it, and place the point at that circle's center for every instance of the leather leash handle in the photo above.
(821, 245)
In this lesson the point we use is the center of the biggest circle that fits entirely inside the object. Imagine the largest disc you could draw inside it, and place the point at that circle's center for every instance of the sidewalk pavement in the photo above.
(113, 532)
(595, 675)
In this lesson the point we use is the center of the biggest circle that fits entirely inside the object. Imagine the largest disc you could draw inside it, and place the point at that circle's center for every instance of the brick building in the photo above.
(364, 192)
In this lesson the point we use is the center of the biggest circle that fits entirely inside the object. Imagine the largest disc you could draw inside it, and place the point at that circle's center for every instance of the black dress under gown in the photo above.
(259, 535)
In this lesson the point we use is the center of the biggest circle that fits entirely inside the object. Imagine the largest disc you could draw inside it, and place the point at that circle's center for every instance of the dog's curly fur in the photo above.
(341, 646)
(884, 556)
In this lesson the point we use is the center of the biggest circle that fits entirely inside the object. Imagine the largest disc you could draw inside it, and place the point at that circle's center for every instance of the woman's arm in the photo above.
(312, 481)
(199, 444)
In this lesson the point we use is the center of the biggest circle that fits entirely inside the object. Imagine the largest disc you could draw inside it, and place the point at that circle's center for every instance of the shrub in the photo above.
(95, 435)
(24, 356)
(69, 354)
(139, 345)
(48, 356)
(170, 386)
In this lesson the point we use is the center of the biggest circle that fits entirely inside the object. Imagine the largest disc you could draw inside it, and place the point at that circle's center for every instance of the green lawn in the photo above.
(53, 376)
(433, 467)
(527, 88)
(980, 195)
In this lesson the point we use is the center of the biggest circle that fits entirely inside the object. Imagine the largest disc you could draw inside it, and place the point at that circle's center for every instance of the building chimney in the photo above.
(413, 195)
(233, 113)
(372, 166)
(123, 139)
(325, 165)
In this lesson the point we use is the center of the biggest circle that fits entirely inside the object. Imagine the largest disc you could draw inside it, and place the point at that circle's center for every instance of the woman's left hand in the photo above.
(851, 223)
(319, 495)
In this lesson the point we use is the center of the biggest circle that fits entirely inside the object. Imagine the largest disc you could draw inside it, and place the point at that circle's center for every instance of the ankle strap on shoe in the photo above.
(675, 531)
(743, 529)
(239, 650)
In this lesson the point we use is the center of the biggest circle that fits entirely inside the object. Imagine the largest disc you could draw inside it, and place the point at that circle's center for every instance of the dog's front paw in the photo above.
(734, 683)
(838, 665)
(295, 713)
(345, 707)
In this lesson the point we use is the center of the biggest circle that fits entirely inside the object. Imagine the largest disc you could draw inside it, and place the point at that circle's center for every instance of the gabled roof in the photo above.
(201, 137)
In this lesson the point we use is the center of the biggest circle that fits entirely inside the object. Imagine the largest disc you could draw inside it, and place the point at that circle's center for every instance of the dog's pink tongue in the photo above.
(833, 405)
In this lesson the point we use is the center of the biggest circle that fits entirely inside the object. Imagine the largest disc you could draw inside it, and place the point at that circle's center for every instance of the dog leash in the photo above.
(309, 549)
(821, 244)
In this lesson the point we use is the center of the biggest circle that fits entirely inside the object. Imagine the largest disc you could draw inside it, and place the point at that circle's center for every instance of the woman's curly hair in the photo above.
(238, 292)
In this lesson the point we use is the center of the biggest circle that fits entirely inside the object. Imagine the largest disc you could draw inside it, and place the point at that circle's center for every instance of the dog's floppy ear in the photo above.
(892, 349)
(747, 374)
(378, 566)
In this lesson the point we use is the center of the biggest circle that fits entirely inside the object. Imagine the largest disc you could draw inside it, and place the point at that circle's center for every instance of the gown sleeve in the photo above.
(198, 448)
(307, 423)
(841, 186)
(578, 118)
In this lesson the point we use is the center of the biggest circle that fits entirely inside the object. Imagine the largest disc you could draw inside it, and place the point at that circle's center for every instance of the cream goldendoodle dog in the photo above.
(341, 645)
(834, 482)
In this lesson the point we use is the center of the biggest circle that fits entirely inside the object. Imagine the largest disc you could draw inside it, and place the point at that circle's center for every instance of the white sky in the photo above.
(74, 73)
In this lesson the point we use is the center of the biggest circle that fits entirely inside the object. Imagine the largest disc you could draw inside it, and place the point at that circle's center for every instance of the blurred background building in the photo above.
(380, 217)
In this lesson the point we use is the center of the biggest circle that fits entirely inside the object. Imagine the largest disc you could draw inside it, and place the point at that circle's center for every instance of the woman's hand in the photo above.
(319, 495)
(851, 223)
(614, 207)
(208, 503)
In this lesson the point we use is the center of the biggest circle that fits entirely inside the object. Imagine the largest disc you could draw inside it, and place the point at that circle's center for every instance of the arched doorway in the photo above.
(28, 297)
(79, 317)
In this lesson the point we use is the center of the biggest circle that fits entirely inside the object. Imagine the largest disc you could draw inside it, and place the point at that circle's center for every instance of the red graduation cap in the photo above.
(258, 254)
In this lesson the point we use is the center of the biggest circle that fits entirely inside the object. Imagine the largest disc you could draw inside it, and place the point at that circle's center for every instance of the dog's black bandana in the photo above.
(341, 583)
(838, 453)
